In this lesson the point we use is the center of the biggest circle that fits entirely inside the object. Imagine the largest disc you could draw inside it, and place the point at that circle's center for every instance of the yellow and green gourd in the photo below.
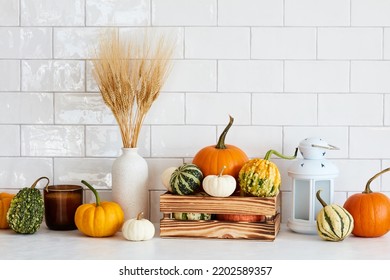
(261, 177)
(334, 223)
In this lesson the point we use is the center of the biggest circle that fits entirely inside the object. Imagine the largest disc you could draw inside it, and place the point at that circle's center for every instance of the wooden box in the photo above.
(265, 230)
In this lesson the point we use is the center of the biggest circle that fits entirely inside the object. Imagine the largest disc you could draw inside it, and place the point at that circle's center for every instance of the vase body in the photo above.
(129, 179)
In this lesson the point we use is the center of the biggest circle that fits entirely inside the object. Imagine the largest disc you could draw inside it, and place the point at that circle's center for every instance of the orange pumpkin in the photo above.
(370, 211)
(212, 159)
(5, 201)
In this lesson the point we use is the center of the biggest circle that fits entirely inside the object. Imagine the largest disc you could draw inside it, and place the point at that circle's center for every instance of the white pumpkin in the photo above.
(166, 177)
(219, 185)
(138, 229)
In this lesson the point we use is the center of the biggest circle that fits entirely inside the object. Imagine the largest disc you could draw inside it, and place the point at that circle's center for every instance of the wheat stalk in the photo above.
(130, 76)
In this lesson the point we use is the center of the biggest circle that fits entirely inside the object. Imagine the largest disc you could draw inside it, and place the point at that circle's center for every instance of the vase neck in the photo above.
(129, 150)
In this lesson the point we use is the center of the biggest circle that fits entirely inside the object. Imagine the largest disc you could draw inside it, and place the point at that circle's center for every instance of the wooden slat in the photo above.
(268, 206)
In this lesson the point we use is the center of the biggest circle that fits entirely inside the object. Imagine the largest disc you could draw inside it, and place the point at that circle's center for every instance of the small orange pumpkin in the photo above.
(98, 219)
(370, 211)
(212, 159)
(5, 201)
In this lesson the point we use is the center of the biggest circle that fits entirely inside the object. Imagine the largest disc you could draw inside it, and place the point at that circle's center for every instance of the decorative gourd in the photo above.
(166, 177)
(334, 223)
(191, 216)
(212, 159)
(370, 210)
(138, 229)
(5, 201)
(219, 185)
(98, 219)
(186, 179)
(261, 177)
(25, 213)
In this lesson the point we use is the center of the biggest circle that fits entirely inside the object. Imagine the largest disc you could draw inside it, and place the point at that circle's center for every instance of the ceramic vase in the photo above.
(129, 179)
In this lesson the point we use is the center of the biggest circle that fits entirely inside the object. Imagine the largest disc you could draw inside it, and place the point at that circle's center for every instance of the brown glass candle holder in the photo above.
(61, 202)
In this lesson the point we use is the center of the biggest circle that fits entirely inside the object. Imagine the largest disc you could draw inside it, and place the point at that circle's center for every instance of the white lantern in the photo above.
(311, 174)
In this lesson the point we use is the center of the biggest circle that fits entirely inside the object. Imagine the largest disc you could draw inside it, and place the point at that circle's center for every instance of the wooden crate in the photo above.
(267, 230)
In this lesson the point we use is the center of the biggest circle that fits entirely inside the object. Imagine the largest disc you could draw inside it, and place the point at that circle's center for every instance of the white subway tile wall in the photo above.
(284, 69)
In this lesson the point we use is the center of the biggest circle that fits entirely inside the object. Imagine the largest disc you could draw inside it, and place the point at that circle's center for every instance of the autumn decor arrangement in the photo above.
(130, 74)
(370, 210)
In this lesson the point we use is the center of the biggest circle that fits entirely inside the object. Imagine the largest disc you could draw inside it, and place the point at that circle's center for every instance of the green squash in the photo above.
(186, 179)
(26, 210)
(191, 216)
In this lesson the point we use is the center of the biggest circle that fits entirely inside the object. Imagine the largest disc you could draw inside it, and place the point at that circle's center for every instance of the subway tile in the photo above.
(317, 12)
(52, 13)
(286, 206)
(250, 13)
(217, 42)
(96, 171)
(184, 12)
(118, 13)
(370, 76)
(52, 141)
(168, 108)
(386, 44)
(26, 108)
(9, 75)
(333, 135)
(81, 108)
(53, 75)
(236, 105)
(264, 105)
(283, 43)
(370, 13)
(384, 179)
(350, 43)
(369, 142)
(9, 12)
(20, 172)
(316, 76)
(19, 42)
(154, 205)
(192, 76)
(181, 140)
(350, 109)
(106, 141)
(91, 84)
(250, 76)
(386, 110)
(9, 140)
(254, 140)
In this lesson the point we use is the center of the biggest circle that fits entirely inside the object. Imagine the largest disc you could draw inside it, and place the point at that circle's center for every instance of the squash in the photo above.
(100, 219)
(219, 185)
(370, 210)
(25, 213)
(186, 179)
(5, 201)
(334, 223)
(212, 159)
(261, 177)
(138, 229)
(191, 216)
(166, 177)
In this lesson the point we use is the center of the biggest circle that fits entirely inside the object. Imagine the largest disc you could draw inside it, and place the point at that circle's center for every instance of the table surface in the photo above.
(72, 245)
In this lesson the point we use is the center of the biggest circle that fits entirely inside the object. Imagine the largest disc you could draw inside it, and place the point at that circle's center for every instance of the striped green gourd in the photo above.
(334, 223)
(186, 179)
(191, 216)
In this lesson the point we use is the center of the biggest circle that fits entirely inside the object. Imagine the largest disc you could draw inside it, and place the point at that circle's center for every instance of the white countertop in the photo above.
(73, 245)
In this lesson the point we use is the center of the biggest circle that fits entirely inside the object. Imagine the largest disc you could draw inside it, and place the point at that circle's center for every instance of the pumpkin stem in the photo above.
(223, 169)
(368, 189)
(320, 199)
(221, 140)
(140, 215)
(270, 152)
(94, 192)
(37, 180)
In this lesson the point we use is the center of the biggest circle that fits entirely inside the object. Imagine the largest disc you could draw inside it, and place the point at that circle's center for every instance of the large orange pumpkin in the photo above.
(5, 201)
(212, 159)
(370, 211)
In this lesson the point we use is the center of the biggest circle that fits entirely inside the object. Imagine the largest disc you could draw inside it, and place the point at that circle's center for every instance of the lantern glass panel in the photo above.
(324, 186)
(302, 199)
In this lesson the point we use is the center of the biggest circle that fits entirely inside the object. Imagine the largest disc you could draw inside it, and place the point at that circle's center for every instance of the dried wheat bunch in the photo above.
(130, 75)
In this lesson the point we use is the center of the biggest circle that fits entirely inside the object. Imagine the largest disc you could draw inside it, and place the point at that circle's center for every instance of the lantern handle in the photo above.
(329, 147)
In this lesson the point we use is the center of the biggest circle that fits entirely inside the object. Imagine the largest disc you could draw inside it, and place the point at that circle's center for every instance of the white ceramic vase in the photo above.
(129, 179)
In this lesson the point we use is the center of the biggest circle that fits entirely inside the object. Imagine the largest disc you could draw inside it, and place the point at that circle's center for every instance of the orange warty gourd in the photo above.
(212, 159)
(370, 211)
(100, 219)
(5, 201)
